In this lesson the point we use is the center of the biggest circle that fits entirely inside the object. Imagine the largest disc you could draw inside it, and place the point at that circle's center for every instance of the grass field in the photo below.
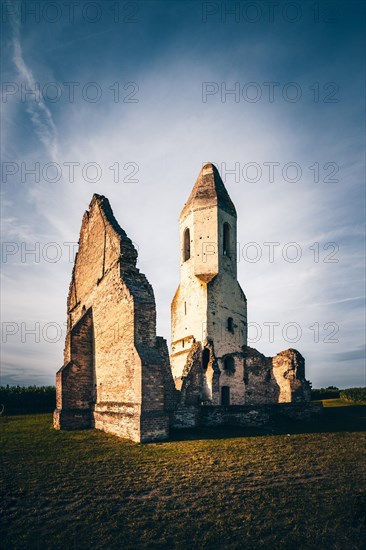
(301, 487)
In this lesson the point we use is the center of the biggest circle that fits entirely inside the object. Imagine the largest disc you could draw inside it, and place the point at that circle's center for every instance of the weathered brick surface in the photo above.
(279, 379)
(153, 426)
(257, 379)
(242, 415)
(289, 373)
(186, 416)
(235, 415)
(114, 365)
(72, 419)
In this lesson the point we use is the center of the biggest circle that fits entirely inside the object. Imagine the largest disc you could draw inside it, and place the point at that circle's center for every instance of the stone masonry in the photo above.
(211, 362)
(117, 374)
(115, 367)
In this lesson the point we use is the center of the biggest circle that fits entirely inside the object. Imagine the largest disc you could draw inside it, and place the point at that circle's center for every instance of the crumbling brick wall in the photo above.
(289, 373)
(279, 379)
(128, 366)
(256, 380)
(260, 384)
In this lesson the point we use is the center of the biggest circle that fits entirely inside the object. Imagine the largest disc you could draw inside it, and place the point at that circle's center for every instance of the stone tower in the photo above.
(209, 309)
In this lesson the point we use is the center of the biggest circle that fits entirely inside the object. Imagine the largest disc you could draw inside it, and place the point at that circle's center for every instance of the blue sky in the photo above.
(173, 65)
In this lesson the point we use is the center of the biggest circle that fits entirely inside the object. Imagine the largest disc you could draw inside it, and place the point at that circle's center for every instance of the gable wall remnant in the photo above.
(127, 363)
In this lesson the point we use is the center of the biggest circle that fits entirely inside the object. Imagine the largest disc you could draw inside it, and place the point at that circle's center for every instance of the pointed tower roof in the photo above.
(209, 190)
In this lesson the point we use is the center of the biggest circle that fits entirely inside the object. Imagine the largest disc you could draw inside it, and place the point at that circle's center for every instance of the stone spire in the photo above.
(209, 190)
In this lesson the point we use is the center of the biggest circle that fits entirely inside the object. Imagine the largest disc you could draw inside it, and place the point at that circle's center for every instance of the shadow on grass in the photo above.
(332, 419)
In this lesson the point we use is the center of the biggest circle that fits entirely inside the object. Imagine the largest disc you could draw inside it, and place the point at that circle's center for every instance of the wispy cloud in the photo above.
(40, 114)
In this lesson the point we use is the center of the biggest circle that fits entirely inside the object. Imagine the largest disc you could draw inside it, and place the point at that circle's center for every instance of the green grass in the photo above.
(336, 403)
(355, 395)
(303, 488)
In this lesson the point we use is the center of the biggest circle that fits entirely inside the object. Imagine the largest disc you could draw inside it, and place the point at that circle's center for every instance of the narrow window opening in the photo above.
(226, 239)
(205, 358)
(185, 308)
(186, 245)
(229, 364)
(230, 325)
(183, 343)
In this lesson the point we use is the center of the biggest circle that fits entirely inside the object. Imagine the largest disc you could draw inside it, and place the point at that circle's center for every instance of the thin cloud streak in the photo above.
(40, 115)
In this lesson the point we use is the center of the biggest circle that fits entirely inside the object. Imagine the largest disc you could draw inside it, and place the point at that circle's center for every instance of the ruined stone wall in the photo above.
(260, 384)
(256, 415)
(254, 380)
(128, 367)
(188, 314)
(191, 393)
(200, 377)
(289, 373)
(279, 379)
(245, 416)
(97, 283)
(234, 380)
(171, 394)
(77, 375)
(226, 299)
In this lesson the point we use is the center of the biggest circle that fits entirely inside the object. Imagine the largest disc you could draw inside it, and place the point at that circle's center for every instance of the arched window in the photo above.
(226, 239)
(205, 358)
(186, 245)
(230, 324)
(229, 364)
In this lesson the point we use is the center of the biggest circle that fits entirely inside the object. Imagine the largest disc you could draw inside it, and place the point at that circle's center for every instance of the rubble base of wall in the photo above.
(154, 426)
(117, 423)
(123, 422)
(120, 419)
(72, 419)
(131, 423)
(184, 417)
(242, 415)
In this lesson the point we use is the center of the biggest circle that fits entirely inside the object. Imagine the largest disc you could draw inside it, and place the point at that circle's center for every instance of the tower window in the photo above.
(205, 358)
(186, 245)
(230, 324)
(229, 364)
(226, 239)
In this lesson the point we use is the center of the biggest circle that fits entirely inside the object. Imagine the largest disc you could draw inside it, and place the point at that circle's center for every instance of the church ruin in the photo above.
(118, 375)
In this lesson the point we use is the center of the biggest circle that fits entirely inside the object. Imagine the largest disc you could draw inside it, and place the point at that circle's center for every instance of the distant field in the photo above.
(301, 487)
(336, 403)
